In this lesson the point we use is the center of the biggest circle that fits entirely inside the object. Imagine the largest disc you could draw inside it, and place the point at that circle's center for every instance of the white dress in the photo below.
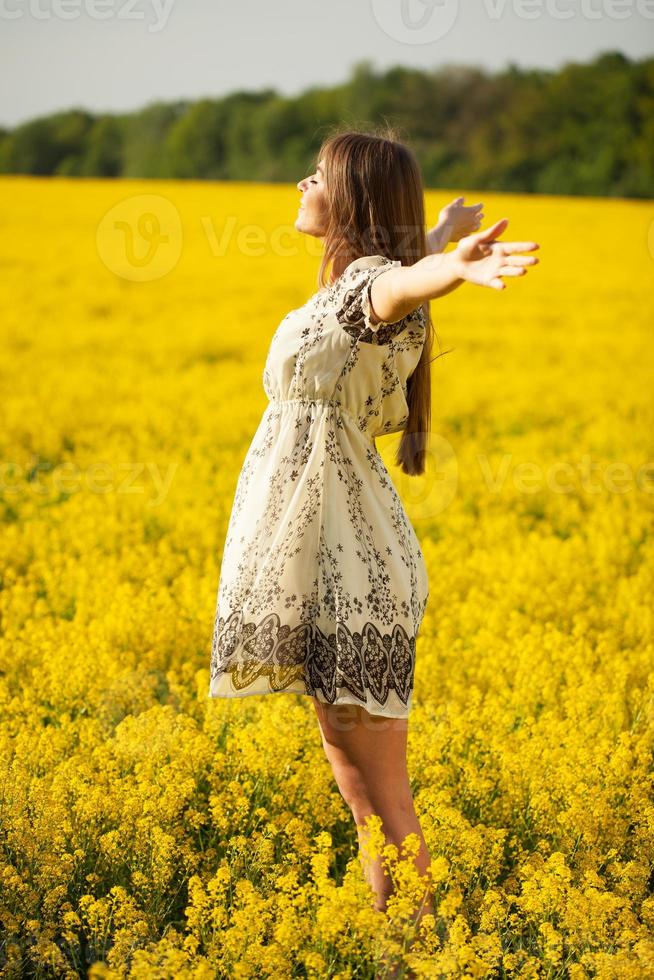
(323, 585)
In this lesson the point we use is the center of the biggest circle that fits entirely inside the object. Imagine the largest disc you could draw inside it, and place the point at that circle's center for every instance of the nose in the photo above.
(301, 184)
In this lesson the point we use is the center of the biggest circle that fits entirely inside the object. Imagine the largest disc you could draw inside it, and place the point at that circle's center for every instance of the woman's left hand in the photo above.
(481, 259)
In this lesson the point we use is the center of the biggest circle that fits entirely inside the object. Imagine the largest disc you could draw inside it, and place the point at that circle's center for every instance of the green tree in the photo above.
(144, 146)
(582, 129)
(104, 148)
(196, 144)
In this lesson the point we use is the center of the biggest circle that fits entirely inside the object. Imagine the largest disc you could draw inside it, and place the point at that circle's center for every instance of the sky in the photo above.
(119, 55)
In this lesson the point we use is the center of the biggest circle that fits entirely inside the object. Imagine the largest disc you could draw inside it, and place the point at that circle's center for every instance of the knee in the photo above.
(355, 792)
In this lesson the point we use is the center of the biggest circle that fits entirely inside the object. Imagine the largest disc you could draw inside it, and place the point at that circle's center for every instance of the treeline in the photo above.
(583, 129)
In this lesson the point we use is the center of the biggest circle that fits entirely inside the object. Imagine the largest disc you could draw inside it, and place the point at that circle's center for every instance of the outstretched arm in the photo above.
(478, 258)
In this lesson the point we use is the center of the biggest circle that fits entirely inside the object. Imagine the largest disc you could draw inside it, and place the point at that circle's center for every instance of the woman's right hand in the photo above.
(455, 220)
(481, 259)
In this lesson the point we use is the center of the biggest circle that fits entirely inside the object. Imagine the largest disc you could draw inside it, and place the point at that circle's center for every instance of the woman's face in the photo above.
(312, 213)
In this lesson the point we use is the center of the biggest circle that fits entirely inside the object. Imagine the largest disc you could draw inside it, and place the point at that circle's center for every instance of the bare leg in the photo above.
(367, 754)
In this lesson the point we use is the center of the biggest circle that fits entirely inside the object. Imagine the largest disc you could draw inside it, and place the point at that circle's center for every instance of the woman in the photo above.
(323, 584)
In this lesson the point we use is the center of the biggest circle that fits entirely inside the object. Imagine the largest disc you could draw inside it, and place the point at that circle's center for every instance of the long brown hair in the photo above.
(375, 201)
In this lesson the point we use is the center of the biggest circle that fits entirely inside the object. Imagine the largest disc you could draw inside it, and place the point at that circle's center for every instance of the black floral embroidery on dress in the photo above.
(343, 661)
(355, 301)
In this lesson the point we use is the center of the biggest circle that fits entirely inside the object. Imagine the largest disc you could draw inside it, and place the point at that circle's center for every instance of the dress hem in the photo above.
(230, 692)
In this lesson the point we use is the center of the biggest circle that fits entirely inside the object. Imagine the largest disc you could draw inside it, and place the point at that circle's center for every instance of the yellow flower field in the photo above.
(148, 831)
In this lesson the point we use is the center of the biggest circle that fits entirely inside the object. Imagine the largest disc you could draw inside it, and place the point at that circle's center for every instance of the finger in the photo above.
(521, 260)
(512, 270)
(520, 246)
(489, 234)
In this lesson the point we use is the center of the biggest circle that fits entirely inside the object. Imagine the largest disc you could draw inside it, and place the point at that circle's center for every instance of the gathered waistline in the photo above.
(330, 402)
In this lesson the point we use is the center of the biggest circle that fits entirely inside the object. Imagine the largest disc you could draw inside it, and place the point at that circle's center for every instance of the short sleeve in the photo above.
(354, 305)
